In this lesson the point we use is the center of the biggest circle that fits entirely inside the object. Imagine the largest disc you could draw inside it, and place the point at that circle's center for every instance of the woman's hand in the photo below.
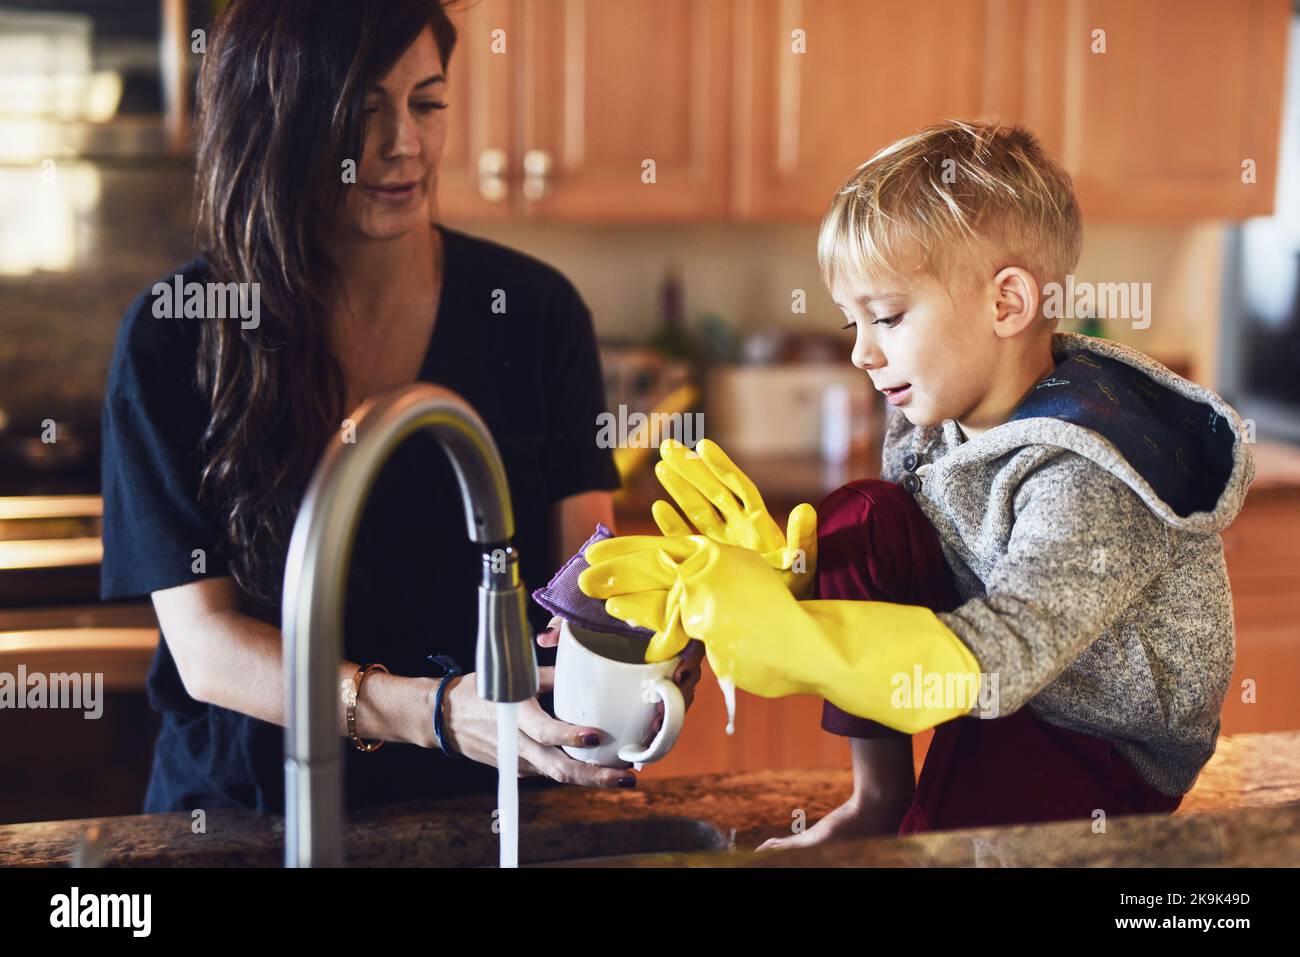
(470, 726)
(686, 676)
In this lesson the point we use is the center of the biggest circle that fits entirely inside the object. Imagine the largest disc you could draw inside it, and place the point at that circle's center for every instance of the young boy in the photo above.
(1048, 521)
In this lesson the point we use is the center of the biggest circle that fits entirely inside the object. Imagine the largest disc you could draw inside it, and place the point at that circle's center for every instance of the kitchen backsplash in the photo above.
(748, 274)
(67, 273)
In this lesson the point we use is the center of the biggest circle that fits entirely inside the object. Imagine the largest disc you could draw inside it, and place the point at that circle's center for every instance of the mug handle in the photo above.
(674, 717)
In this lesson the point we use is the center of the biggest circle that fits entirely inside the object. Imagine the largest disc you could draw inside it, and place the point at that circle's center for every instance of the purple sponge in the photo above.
(563, 597)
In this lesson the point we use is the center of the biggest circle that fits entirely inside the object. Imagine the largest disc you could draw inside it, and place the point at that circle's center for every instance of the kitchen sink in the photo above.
(636, 841)
(445, 841)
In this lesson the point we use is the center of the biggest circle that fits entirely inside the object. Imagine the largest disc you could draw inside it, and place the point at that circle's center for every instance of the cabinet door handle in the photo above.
(537, 170)
(492, 183)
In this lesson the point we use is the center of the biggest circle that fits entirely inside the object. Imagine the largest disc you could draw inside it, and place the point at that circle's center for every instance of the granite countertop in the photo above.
(1243, 811)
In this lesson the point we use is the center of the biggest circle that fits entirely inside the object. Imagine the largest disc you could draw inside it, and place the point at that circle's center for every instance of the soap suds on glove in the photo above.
(729, 696)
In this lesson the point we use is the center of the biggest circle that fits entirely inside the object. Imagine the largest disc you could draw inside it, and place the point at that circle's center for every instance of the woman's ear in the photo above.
(1015, 301)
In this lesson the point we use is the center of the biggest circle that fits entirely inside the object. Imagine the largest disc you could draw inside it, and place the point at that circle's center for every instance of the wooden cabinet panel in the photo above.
(871, 72)
(1263, 542)
(1262, 551)
(1153, 129)
(609, 84)
(759, 109)
(1157, 126)
(480, 91)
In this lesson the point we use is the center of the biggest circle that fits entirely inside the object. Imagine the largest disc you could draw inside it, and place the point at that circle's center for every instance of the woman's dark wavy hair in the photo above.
(280, 102)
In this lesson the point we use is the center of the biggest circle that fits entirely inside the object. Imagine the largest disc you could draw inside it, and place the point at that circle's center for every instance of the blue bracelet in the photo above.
(450, 670)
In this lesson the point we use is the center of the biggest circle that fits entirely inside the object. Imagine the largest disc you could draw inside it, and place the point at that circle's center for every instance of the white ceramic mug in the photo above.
(603, 681)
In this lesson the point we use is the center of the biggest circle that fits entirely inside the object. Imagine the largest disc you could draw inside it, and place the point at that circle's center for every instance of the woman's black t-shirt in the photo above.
(514, 339)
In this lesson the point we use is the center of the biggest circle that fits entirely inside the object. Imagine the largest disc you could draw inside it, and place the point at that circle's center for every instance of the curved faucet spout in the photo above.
(315, 583)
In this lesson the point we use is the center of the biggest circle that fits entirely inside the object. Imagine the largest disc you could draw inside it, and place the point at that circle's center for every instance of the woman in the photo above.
(320, 127)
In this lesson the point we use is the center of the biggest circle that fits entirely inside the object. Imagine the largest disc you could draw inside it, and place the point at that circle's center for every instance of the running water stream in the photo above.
(508, 781)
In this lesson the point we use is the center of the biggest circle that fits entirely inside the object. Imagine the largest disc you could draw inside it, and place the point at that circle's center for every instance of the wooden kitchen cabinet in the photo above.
(611, 84)
(871, 72)
(474, 174)
(742, 125)
(1262, 551)
(1156, 128)
(560, 124)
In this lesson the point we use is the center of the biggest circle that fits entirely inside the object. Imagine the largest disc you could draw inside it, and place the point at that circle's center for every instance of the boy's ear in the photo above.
(1015, 301)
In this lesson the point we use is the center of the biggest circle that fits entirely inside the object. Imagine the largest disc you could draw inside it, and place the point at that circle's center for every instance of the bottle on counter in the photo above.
(837, 424)
(671, 338)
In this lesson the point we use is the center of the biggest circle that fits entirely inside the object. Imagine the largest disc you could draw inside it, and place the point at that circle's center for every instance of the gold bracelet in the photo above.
(351, 692)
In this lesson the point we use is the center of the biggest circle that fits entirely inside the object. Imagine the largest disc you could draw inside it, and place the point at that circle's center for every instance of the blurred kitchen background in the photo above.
(1183, 137)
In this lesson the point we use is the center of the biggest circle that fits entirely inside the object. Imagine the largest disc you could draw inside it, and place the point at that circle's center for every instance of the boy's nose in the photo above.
(866, 353)
(866, 356)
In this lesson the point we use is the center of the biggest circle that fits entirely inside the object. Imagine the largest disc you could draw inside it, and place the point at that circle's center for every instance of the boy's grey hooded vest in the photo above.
(1083, 535)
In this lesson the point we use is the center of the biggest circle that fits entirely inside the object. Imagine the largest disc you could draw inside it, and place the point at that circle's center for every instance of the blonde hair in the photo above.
(953, 193)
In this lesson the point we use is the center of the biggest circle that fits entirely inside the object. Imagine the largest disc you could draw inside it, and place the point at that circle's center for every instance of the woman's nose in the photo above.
(402, 139)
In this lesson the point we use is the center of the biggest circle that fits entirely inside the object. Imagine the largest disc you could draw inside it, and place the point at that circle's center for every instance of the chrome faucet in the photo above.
(315, 583)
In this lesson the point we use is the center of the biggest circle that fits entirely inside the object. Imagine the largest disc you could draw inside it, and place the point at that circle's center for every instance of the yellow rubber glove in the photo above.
(758, 636)
(724, 505)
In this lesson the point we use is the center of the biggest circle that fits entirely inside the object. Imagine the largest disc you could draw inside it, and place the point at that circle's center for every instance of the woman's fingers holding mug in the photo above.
(688, 696)
(692, 655)
(551, 636)
(526, 768)
(687, 673)
(545, 678)
(558, 766)
(544, 729)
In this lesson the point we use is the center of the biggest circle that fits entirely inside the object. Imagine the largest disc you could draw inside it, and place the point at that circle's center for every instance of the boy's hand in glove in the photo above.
(757, 635)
